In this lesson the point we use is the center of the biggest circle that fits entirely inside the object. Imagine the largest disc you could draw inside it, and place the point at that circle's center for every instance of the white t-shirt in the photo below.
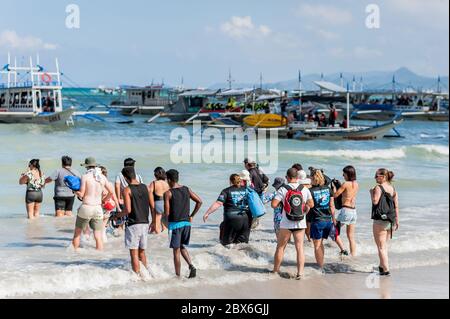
(281, 195)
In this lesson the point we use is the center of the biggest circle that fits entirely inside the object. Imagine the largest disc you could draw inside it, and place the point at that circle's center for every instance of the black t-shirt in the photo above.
(234, 199)
(180, 205)
(322, 199)
(140, 205)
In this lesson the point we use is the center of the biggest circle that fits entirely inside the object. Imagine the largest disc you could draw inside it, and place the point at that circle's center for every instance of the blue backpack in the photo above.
(255, 203)
(73, 182)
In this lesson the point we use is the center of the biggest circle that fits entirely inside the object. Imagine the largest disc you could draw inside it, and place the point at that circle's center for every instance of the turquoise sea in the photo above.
(37, 260)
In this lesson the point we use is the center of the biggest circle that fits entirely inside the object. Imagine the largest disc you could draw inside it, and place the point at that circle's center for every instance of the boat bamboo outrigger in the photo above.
(32, 95)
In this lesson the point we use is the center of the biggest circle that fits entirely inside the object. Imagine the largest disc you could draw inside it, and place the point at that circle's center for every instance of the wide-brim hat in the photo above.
(90, 162)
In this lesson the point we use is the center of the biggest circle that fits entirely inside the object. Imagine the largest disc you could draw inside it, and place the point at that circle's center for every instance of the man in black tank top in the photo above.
(137, 208)
(177, 209)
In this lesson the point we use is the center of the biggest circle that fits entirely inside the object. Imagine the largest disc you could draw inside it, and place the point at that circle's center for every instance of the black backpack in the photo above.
(385, 210)
(337, 200)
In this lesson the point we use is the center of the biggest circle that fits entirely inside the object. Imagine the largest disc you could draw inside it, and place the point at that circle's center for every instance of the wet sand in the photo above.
(412, 283)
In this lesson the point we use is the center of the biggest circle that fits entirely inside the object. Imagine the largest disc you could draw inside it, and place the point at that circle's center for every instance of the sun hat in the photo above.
(279, 181)
(245, 176)
(303, 178)
(90, 162)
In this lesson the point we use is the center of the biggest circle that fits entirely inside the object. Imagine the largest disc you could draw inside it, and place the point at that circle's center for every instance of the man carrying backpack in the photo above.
(297, 201)
(260, 181)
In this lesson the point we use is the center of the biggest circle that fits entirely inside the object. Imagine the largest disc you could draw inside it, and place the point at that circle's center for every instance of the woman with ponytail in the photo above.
(236, 225)
(34, 179)
(385, 215)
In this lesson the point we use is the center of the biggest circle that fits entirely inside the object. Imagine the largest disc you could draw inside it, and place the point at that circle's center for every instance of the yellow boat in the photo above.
(266, 121)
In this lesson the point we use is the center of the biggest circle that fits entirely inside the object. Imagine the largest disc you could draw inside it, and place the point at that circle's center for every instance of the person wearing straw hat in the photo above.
(90, 212)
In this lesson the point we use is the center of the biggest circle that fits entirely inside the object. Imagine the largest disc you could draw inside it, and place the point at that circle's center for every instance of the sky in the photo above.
(136, 41)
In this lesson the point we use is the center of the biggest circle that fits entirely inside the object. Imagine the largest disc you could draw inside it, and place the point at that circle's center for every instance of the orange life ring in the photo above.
(46, 78)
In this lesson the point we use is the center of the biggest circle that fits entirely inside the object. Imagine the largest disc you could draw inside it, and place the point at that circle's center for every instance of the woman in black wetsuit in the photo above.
(235, 228)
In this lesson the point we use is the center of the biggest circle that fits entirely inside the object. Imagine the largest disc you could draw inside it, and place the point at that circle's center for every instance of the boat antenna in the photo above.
(439, 84)
(261, 81)
(342, 79)
(348, 105)
(230, 79)
(354, 84)
(361, 82)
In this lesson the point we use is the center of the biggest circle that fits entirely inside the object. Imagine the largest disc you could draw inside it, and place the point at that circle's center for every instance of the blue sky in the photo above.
(135, 41)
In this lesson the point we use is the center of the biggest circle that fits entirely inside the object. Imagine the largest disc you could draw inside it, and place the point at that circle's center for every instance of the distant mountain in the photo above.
(375, 80)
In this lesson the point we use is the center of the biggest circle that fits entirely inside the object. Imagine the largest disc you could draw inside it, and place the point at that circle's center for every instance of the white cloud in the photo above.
(434, 13)
(243, 28)
(11, 40)
(362, 52)
(324, 34)
(325, 14)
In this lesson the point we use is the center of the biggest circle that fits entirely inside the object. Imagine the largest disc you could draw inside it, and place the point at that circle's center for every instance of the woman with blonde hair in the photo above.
(322, 215)
(385, 215)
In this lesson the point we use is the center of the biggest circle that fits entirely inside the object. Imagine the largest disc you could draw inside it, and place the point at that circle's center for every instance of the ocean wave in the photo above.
(434, 149)
(356, 154)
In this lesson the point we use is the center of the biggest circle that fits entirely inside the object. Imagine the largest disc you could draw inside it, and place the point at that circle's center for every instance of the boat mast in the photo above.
(300, 91)
(348, 106)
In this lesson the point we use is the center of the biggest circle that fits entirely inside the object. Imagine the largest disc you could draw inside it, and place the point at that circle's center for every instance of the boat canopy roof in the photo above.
(235, 92)
(329, 86)
(195, 93)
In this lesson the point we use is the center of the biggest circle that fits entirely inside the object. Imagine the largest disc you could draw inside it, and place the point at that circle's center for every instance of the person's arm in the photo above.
(24, 179)
(126, 202)
(333, 210)
(111, 191)
(198, 203)
(118, 193)
(167, 198)
(397, 211)
(151, 189)
(277, 199)
(214, 207)
(375, 195)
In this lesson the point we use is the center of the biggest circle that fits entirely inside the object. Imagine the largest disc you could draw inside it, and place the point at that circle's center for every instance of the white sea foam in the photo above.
(356, 154)
(435, 149)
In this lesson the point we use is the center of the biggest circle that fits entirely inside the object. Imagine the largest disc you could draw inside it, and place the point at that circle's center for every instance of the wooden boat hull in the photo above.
(265, 121)
(60, 118)
(442, 116)
(356, 133)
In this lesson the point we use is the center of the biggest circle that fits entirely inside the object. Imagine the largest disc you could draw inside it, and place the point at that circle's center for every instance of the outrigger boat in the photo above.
(149, 100)
(35, 99)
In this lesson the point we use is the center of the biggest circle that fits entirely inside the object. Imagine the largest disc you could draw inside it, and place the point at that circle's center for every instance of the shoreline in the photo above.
(403, 284)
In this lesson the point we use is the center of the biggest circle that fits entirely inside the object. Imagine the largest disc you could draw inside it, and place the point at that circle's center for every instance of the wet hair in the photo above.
(35, 164)
(66, 161)
(350, 173)
(129, 173)
(386, 173)
(173, 176)
(129, 162)
(292, 173)
(160, 174)
(317, 178)
(104, 171)
(298, 167)
(235, 180)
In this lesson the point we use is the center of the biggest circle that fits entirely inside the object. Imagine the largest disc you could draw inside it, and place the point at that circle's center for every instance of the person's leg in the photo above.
(37, 210)
(308, 231)
(98, 235)
(319, 252)
(143, 257)
(380, 236)
(283, 239)
(30, 210)
(177, 261)
(77, 238)
(351, 239)
(157, 225)
(69, 207)
(134, 254)
(299, 240)
(59, 213)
